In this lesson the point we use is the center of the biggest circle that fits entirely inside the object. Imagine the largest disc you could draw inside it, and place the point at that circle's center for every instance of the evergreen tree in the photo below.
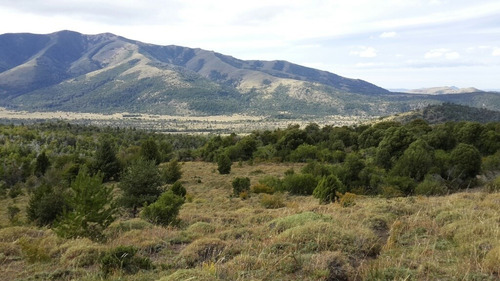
(45, 205)
(92, 208)
(106, 161)
(42, 164)
(327, 189)
(172, 172)
(466, 161)
(149, 151)
(416, 161)
(140, 183)
(224, 164)
(178, 189)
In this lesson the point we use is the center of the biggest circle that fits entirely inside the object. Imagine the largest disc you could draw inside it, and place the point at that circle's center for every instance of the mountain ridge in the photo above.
(70, 71)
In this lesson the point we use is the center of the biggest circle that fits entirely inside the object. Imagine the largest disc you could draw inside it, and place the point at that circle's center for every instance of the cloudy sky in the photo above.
(392, 43)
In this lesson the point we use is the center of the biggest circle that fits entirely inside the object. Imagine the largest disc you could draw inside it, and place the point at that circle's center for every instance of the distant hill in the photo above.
(443, 90)
(107, 73)
(447, 112)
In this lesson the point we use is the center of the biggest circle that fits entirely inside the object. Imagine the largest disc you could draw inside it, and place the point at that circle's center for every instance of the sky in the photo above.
(392, 43)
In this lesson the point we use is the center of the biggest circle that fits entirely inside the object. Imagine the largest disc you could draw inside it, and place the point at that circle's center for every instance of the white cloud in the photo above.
(442, 53)
(436, 53)
(390, 34)
(452, 55)
(496, 52)
(364, 52)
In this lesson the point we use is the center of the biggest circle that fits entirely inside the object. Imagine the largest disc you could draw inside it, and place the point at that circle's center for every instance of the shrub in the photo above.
(123, 259)
(274, 201)
(327, 189)
(33, 250)
(347, 199)
(261, 188)
(240, 185)
(494, 185)
(165, 210)
(12, 212)
(172, 172)
(201, 250)
(273, 182)
(178, 189)
(431, 186)
(300, 184)
(45, 205)
(224, 164)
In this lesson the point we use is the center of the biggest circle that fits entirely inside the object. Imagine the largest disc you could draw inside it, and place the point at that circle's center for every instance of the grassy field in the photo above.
(275, 237)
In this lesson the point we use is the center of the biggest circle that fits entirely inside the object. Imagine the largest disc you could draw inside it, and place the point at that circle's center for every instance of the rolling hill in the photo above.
(107, 73)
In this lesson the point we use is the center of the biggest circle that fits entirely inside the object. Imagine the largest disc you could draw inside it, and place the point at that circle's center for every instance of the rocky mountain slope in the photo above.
(107, 73)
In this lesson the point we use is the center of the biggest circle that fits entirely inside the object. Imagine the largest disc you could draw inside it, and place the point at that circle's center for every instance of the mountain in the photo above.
(106, 73)
(443, 90)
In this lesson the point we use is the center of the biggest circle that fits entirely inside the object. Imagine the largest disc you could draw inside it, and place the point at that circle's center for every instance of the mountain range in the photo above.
(105, 73)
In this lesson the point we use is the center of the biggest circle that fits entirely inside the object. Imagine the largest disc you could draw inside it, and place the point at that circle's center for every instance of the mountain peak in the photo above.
(70, 71)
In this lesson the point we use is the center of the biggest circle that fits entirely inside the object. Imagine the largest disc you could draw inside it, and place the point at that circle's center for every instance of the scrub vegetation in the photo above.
(386, 201)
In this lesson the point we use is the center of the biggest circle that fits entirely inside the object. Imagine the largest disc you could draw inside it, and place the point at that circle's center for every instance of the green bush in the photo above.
(165, 210)
(327, 189)
(45, 205)
(172, 172)
(178, 189)
(224, 164)
(300, 184)
(275, 183)
(240, 185)
(431, 186)
(123, 259)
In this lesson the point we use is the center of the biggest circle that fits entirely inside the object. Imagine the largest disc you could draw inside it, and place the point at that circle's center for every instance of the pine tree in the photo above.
(42, 164)
(92, 208)
(224, 164)
(106, 161)
(172, 172)
(149, 151)
(140, 183)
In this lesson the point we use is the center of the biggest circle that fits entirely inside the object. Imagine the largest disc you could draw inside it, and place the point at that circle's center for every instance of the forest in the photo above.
(72, 182)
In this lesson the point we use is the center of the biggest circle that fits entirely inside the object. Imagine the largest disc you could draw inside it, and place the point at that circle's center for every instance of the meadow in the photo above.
(271, 236)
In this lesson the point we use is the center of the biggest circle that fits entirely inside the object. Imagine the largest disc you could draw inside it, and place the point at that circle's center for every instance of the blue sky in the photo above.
(391, 43)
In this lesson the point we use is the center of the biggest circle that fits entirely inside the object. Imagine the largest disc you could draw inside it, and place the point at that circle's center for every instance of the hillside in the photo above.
(448, 112)
(105, 73)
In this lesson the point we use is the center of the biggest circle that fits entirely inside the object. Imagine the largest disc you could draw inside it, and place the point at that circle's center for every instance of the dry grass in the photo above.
(455, 237)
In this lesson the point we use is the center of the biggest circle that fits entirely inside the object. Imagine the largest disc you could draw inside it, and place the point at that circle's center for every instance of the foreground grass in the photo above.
(455, 237)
